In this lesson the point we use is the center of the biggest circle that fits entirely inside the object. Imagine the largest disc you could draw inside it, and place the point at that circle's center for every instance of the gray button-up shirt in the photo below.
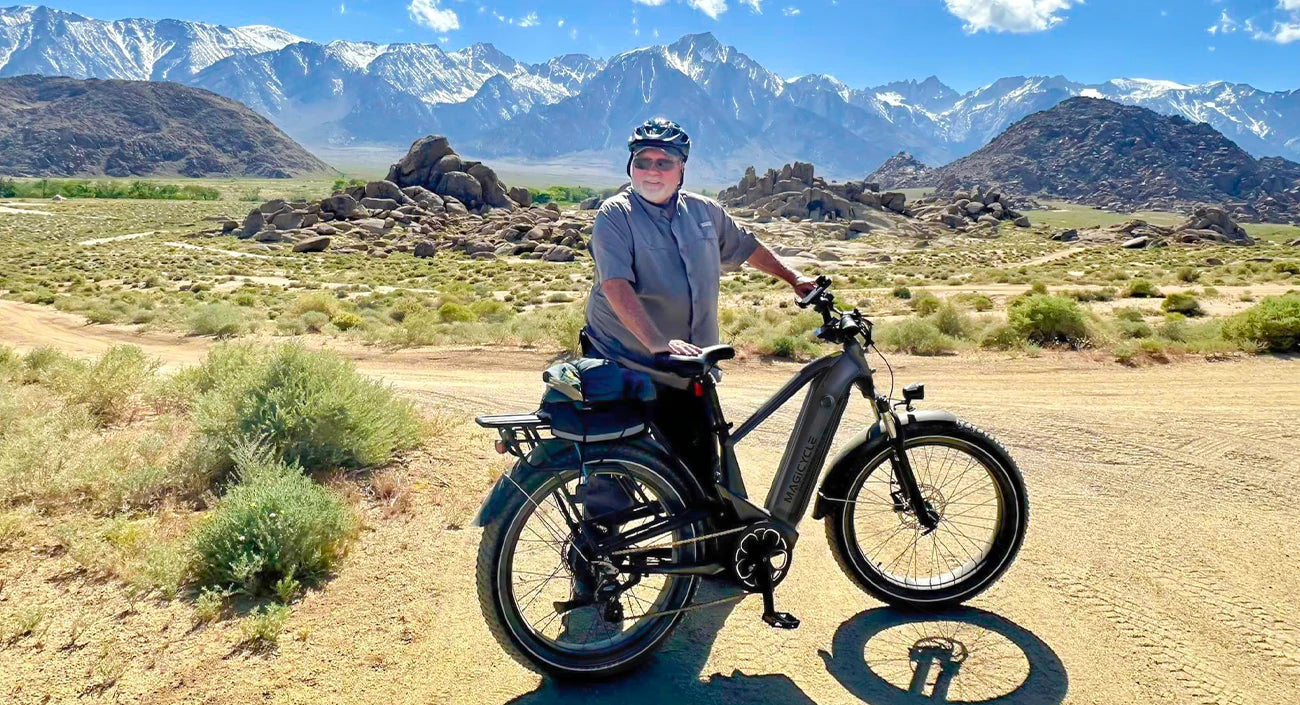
(673, 256)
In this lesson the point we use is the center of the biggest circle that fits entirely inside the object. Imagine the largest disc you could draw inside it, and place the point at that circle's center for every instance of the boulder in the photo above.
(386, 189)
(425, 248)
(274, 205)
(521, 196)
(286, 220)
(1022, 221)
(1137, 243)
(340, 204)
(271, 235)
(383, 204)
(424, 153)
(454, 206)
(462, 187)
(312, 244)
(859, 226)
(253, 222)
(1066, 236)
(449, 163)
(974, 208)
(894, 201)
(559, 253)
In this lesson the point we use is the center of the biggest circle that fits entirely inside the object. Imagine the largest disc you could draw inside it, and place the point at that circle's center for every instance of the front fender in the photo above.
(867, 443)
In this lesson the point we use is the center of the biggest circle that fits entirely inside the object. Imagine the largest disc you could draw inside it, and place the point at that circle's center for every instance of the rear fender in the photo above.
(861, 448)
(556, 454)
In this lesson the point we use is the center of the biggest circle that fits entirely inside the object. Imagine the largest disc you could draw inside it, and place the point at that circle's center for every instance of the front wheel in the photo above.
(969, 480)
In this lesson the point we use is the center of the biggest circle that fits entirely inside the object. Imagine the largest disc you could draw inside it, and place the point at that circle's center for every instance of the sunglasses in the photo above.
(662, 164)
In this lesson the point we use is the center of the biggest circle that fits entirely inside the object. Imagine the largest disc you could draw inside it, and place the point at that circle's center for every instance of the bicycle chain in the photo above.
(675, 544)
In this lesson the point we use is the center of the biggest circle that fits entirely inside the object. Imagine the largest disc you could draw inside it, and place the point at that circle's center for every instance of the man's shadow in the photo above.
(877, 657)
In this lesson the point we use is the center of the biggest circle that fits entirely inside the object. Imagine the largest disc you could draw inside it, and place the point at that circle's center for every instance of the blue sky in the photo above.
(967, 43)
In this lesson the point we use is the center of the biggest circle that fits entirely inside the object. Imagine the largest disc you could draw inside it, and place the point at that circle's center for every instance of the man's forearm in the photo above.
(765, 260)
(628, 308)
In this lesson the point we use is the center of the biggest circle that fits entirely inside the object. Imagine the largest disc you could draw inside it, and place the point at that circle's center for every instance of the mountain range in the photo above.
(346, 93)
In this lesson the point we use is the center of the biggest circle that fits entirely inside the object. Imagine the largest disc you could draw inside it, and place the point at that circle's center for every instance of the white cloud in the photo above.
(651, 3)
(428, 14)
(573, 33)
(1283, 31)
(790, 11)
(1225, 25)
(343, 8)
(755, 5)
(559, 22)
(712, 8)
(529, 20)
(1010, 15)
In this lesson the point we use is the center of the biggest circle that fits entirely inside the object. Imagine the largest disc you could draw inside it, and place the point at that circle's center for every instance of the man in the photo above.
(659, 253)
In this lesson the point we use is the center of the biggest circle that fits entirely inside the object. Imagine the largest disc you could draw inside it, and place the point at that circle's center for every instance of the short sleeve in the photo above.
(611, 246)
(735, 244)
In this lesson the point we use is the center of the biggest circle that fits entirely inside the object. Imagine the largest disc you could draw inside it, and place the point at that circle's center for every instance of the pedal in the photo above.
(781, 620)
(778, 620)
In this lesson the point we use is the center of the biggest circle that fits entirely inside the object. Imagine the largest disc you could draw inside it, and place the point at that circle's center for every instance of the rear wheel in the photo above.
(530, 559)
(974, 486)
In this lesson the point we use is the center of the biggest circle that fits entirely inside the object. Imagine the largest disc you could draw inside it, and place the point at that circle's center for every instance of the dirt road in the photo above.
(1162, 564)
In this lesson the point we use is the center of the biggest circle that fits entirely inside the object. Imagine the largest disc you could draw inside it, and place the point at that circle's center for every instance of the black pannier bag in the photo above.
(591, 400)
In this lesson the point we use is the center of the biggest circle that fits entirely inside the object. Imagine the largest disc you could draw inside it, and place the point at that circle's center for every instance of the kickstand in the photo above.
(779, 620)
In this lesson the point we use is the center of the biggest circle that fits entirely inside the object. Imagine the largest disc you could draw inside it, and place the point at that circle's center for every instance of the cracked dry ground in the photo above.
(1160, 567)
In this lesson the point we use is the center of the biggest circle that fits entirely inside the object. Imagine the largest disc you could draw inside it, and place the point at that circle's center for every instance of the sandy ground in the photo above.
(1161, 564)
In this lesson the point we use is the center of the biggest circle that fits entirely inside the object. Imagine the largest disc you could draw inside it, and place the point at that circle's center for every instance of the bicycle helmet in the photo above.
(661, 133)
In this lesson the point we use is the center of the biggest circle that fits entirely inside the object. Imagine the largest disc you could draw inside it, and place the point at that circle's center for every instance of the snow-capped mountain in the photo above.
(51, 42)
(740, 113)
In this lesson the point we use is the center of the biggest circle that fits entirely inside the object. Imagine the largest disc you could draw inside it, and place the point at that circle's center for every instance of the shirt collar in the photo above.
(667, 209)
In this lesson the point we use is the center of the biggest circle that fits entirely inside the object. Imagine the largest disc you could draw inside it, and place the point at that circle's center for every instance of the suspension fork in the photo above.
(902, 467)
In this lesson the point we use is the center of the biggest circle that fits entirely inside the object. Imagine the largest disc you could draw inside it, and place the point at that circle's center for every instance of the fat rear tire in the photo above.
(504, 619)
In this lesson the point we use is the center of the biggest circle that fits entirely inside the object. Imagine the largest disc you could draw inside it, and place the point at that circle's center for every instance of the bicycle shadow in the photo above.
(672, 675)
(885, 656)
(881, 656)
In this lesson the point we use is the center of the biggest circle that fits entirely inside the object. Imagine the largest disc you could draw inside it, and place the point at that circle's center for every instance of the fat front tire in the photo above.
(975, 486)
(502, 585)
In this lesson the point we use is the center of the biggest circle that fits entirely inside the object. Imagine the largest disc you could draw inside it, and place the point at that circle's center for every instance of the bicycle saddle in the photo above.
(694, 366)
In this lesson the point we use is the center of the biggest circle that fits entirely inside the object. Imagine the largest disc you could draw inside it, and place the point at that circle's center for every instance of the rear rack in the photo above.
(519, 432)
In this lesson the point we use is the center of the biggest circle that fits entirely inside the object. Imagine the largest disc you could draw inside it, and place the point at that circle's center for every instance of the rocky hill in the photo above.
(68, 127)
(903, 171)
(1122, 157)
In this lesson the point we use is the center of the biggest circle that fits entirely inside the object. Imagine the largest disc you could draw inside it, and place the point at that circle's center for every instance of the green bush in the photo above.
(915, 336)
(1133, 329)
(452, 312)
(492, 310)
(1046, 319)
(74, 188)
(902, 292)
(111, 386)
(346, 320)
(219, 319)
(792, 347)
(952, 321)
(314, 321)
(1273, 324)
(274, 524)
(313, 408)
(925, 303)
(1141, 289)
(1002, 336)
(1185, 304)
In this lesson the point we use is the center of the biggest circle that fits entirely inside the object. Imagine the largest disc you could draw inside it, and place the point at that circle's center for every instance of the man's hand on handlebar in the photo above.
(803, 285)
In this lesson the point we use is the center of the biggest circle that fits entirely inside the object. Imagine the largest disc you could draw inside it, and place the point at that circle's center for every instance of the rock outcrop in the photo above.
(794, 191)
(1207, 225)
(433, 165)
(903, 171)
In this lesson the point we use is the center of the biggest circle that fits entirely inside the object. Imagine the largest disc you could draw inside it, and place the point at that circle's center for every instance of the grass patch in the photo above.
(915, 336)
(275, 524)
(1272, 324)
(312, 408)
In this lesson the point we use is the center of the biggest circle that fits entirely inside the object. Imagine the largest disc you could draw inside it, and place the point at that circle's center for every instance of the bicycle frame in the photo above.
(832, 379)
